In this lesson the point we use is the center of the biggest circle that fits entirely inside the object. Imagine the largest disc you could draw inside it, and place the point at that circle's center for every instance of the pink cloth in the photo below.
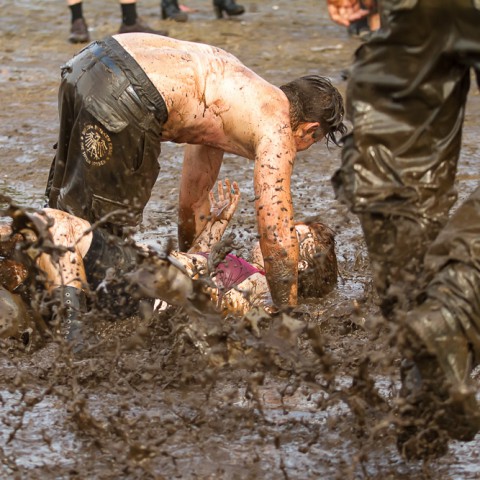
(233, 271)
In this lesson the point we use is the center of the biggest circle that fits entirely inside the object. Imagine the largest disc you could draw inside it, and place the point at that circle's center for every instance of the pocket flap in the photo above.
(105, 114)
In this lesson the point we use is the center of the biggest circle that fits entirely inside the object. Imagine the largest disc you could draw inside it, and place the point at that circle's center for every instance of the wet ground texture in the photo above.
(309, 395)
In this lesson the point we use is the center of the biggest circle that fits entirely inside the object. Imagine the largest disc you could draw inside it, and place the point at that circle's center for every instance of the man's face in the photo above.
(306, 135)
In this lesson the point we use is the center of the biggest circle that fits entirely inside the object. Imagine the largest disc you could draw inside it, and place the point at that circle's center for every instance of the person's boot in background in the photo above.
(79, 29)
(131, 23)
(230, 7)
(171, 11)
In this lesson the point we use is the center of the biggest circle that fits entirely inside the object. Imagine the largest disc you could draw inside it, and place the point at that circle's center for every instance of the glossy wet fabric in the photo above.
(107, 262)
(111, 117)
(406, 99)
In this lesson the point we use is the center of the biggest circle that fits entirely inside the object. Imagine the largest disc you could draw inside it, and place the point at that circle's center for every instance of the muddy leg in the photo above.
(69, 232)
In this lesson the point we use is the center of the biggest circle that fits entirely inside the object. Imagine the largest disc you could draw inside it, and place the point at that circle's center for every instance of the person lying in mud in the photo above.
(239, 285)
(79, 260)
(120, 98)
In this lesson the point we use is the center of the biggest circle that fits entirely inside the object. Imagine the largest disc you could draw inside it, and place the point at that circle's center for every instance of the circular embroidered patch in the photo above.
(96, 145)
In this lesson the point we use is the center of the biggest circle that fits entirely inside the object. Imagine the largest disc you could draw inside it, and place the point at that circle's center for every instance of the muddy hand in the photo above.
(228, 198)
(344, 12)
(163, 280)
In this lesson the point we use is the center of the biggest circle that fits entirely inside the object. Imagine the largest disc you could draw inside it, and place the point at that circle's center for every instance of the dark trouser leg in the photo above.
(445, 329)
(406, 102)
(453, 266)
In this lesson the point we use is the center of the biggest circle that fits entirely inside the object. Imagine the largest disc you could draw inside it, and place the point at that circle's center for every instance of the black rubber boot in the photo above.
(228, 6)
(71, 306)
(171, 10)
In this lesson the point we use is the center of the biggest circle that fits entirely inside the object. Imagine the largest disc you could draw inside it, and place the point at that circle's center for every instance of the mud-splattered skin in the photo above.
(216, 105)
(212, 98)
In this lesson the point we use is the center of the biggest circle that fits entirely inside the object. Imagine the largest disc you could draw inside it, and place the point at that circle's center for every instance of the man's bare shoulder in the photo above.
(144, 45)
(206, 91)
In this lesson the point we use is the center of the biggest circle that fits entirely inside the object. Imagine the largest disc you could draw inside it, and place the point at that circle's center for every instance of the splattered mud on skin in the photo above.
(146, 403)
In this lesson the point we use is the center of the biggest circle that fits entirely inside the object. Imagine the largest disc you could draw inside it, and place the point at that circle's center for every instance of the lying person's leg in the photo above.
(69, 232)
(65, 272)
(23, 244)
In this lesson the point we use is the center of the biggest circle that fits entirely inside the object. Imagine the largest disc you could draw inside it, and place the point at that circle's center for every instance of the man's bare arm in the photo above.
(200, 171)
(345, 12)
(276, 228)
(221, 212)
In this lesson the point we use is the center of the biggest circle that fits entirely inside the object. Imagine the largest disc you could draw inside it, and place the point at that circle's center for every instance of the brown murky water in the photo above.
(147, 403)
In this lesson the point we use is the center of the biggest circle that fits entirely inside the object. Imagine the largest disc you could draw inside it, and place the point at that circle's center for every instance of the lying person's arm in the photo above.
(221, 212)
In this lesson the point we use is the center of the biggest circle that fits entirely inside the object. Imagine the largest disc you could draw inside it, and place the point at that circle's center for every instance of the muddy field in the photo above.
(176, 397)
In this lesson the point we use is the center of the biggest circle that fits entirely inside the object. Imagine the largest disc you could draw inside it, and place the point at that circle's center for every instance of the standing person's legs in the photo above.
(79, 29)
(406, 103)
(131, 23)
(407, 98)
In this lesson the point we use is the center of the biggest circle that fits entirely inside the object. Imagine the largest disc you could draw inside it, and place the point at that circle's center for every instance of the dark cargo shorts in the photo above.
(111, 117)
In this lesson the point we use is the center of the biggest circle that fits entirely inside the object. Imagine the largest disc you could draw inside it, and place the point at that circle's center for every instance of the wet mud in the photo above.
(299, 396)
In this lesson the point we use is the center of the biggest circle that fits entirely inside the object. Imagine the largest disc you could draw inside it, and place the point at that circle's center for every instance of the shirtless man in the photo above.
(119, 99)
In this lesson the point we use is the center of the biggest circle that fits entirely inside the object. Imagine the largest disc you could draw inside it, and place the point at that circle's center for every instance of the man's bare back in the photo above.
(211, 97)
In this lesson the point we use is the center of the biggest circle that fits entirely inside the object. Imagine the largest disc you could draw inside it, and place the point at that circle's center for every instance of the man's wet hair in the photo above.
(314, 99)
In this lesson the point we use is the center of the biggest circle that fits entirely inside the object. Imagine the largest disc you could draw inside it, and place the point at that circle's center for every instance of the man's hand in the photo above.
(221, 212)
(345, 12)
(225, 206)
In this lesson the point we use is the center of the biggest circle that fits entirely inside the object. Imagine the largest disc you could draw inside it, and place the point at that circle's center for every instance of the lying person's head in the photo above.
(317, 266)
